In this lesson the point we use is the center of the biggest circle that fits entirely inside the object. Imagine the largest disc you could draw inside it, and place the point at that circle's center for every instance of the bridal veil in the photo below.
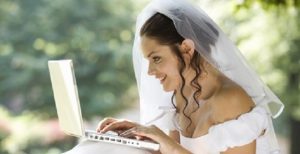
(223, 55)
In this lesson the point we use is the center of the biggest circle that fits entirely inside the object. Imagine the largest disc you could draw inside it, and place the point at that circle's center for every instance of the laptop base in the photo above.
(110, 138)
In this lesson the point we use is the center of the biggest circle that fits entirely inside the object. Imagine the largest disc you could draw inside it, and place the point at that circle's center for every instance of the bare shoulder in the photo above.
(231, 102)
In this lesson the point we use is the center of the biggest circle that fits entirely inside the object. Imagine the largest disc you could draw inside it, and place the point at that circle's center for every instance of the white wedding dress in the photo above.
(255, 125)
(247, 128)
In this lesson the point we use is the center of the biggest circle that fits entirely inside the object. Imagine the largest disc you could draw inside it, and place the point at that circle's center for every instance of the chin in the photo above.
(168, 89)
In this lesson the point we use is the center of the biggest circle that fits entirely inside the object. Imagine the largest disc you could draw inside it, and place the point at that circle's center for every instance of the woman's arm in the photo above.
(174, 134)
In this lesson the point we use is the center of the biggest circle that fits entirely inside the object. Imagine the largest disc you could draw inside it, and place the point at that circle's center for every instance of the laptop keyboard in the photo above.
(114, 138)
(110, 138)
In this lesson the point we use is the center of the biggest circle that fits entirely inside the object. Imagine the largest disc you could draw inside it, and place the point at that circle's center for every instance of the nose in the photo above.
(151, 70)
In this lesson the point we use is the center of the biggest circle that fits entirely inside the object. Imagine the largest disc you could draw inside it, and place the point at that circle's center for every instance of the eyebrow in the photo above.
(152, 52)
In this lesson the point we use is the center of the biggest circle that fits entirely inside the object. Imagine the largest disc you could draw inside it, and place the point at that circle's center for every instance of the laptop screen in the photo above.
(66, 97)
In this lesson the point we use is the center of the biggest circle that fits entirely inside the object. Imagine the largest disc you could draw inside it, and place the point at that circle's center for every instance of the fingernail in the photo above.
(124, 134)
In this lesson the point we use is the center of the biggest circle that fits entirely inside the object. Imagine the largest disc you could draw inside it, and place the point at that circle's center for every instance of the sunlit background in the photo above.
(98, 35)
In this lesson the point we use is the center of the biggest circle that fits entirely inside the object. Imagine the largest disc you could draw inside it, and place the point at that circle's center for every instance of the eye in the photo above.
(156, 59)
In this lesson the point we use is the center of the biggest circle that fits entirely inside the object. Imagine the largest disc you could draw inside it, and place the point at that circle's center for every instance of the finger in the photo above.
(139, 130)
(142, 138)
(128, 132)
(147, 132)
(103, 123)
(139, 137)
(131, 135)
(117, 125)
(120, 131)
(136, 132)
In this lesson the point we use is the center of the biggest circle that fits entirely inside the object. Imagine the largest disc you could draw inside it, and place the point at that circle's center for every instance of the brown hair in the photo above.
(162, 29)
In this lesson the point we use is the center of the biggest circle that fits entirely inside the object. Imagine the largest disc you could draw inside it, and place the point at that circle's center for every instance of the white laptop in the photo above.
(69, 112)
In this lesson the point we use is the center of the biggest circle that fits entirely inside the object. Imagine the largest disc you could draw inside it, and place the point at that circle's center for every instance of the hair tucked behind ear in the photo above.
(162, 29)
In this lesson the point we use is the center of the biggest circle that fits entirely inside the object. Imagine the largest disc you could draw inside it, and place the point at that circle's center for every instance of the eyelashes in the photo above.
(156, 59)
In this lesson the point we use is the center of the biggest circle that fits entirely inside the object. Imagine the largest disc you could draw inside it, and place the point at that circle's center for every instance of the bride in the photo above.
(197, 92)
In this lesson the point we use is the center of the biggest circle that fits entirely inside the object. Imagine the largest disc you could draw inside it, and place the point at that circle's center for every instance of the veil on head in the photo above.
(194, 24)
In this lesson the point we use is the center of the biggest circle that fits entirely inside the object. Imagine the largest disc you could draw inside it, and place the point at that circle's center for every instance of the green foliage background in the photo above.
(95, 34)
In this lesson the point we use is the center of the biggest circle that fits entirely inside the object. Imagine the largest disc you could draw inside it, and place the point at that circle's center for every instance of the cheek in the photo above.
(174, 70)
(174, 74)
(170, 69)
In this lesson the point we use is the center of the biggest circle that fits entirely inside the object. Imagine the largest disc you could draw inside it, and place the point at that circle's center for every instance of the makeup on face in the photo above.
(163, 64)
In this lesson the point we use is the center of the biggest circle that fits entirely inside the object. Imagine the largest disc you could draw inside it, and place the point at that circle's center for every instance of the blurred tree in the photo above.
(267, 4)
(289, 63)
(95, 34)
(287, 14)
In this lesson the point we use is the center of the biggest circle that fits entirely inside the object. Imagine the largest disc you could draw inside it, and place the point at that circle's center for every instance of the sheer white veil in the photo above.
(224, 55)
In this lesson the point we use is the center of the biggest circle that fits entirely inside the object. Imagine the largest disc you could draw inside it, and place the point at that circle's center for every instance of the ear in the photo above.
(188, 47)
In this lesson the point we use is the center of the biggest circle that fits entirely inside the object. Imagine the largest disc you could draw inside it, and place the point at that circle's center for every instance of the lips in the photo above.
(162, 79)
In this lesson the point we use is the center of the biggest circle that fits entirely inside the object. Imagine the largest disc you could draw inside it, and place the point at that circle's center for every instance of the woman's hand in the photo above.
(131, 129)
(167, 144)
(150, 132)
(116, 125)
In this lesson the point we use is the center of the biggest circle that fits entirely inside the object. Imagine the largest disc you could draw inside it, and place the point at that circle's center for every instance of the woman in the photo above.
(220, 104)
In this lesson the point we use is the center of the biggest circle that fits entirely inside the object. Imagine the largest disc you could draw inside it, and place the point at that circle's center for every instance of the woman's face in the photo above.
(163, 63)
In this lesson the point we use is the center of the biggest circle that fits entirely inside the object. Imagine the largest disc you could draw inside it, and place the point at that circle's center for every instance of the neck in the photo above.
(211, 81)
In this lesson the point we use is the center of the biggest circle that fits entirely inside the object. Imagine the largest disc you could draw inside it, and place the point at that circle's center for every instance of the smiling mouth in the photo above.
(162, 79)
